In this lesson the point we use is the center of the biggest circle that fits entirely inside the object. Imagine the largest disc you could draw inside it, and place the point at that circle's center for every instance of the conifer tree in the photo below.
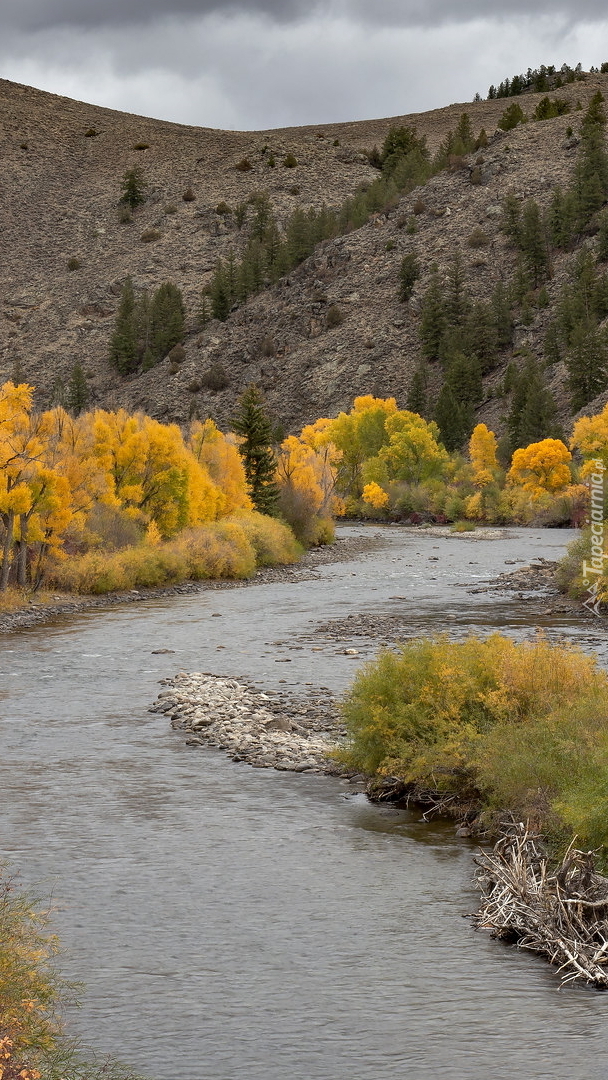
(123, 342)
(433, 321)
(252, 423)
(453, 419)
(408, 275)
(533, 409)
(77, 390)
(417, 398)
(587, 363)
(166, 319)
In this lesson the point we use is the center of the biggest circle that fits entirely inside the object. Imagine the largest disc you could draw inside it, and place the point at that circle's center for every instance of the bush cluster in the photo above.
(510, 727)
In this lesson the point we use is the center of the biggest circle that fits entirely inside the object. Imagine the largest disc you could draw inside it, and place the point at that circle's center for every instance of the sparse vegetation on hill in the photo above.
(53, 319)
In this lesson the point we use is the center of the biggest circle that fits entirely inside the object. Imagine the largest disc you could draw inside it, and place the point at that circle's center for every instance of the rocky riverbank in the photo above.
(39, 610)
(271, 730)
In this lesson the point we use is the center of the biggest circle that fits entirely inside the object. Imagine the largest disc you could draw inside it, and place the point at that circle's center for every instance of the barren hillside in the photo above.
(61, 165)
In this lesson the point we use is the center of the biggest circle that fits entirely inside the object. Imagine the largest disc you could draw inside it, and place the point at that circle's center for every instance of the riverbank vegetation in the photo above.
(491, 726)
(110, 500)
(33, 1044)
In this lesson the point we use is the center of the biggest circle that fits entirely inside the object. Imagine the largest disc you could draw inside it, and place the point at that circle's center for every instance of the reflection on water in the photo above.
(231, 922)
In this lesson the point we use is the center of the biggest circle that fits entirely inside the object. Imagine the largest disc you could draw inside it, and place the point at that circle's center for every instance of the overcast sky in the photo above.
(271, 63)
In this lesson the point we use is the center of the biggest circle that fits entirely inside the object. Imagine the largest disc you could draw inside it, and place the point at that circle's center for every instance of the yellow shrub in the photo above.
(273, 541)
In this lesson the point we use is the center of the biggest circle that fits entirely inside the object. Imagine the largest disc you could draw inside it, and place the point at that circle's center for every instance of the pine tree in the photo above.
(123, 342)
(252, 423)
(133, 187)
(587, 363)
(166, 319)
(433, 321)
(221, 301)
(533, 409)
(78, 390)
(453, 419)
(533, 241)
(417, 399)
(408, 274)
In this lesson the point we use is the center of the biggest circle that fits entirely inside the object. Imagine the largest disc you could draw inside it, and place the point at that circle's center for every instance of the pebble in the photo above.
(268, 730)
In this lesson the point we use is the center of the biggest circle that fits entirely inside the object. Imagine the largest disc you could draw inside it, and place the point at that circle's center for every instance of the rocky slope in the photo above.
(61, 165)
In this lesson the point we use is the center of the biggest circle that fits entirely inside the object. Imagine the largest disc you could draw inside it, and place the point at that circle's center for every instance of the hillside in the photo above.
(61, 166)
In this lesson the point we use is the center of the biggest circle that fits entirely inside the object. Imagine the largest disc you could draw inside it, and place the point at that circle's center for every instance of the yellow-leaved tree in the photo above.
(220, 456)
(541, 468)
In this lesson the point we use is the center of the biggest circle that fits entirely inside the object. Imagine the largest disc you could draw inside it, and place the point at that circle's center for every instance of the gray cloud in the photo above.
(45, 14)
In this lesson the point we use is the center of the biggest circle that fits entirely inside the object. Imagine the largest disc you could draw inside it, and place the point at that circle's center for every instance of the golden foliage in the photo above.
(541, 467)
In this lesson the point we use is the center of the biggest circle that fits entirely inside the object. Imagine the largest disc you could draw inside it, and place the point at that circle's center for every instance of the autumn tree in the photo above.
(482, 453)
(542, 467)
(252, 423)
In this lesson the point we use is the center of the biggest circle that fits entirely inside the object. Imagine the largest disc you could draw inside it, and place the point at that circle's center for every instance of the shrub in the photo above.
(215, 378)
(515, 727)
(478, 238)
(141, 146)
(188, 195)
(294, 190)
(290, 161)
(419, 207)
(223, 209)
(267, 346)
(334, 317)
(475, 177)
(90, 133)
(73, 263)
(273, 542)
(244, 165)
(148, 236)
(177, 355)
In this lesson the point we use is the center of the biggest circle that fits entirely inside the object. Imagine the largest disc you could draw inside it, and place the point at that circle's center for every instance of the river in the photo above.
(233, 923)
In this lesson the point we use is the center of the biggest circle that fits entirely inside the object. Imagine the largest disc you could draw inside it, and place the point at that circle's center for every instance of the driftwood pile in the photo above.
(560, 913)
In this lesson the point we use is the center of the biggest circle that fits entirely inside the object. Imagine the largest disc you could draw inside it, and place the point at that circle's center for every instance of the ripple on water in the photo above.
(236, 923)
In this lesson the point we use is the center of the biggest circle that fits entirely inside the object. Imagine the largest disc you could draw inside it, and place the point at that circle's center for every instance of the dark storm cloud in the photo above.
(44, 14)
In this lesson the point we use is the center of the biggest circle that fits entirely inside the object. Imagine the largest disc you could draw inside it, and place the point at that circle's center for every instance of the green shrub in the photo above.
(90, 133)
(223, 209)
(513, 727)
(188, 195)
(215, 378)
(334, 317)
(289, 161)
(478, 238)
(244, 165)
(73, 263)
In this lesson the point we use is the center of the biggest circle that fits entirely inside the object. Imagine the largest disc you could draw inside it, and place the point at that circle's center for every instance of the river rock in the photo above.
(279, 731)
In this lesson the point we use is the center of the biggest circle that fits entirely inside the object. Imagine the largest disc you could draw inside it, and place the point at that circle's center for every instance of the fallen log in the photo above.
(560, 912)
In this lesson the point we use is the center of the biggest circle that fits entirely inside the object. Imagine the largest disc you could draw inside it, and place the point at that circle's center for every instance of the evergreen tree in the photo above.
(133, 187)
(587, 363)
(123, 342)
(166, 319)
(252, 423)
(409, 272)
(221, 300)
(433, 321)
(456, 297)
(453, 419)
(417, 399)
(533, 410)
(78, 390)
(502, 317)
(533, 241)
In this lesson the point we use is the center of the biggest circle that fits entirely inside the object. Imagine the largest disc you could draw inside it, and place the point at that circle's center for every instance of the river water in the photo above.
(240, 924)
